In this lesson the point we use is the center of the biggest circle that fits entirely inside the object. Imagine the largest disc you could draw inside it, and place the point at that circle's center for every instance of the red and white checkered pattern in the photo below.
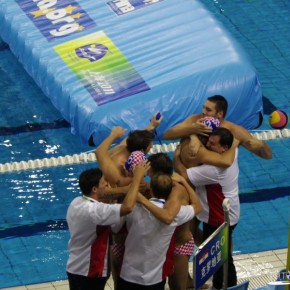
(118, 251)
(185, 249)
(134, 159)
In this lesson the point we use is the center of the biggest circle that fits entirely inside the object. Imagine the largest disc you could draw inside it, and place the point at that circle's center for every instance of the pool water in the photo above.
(33, 231)
(34, 235)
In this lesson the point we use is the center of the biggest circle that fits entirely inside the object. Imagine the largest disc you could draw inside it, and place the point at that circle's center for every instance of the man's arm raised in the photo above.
(191, 125)
(193, 198)
(131, 196)
(171, 207)
(251, 143)
(154, 123)
(109, 168)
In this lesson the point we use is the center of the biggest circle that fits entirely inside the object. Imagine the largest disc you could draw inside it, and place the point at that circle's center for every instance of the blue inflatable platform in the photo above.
(105, 63)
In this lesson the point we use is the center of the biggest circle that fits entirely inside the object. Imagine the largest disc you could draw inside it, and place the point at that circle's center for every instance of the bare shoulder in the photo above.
(238, 131)
(179, 193)
(121, 155)
(119, 160)
(229, 125)
(193, 118)
(118, 150)
(187, 160)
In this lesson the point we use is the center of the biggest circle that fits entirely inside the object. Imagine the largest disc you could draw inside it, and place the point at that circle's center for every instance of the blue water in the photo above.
(33, 232)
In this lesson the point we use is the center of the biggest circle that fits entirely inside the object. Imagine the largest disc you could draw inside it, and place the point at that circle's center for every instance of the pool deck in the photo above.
(259, 268)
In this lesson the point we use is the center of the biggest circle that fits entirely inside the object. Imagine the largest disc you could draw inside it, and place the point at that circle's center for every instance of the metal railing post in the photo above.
(226, 208)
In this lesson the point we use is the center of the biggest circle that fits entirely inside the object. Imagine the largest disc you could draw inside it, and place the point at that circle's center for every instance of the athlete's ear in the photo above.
(95, 189)
(225, 148)
(220, 115)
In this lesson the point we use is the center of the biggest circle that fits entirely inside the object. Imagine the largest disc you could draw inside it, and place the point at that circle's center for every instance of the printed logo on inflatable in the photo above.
(56, 18)
(112, 78)
(121, 7)
(92, 52)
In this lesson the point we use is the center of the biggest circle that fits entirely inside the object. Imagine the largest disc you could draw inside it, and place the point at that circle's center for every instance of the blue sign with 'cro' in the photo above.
(211, 255)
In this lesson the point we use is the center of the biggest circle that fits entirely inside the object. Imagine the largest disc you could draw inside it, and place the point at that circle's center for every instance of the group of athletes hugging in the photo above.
(143, 230)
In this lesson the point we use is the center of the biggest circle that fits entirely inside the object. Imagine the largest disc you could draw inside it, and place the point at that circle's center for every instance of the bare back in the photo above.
(187, 159)
(119, 157)
(179, 194)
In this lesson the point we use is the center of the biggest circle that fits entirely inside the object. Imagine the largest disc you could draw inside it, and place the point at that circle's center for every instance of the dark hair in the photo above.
(203, 139)
(139, 140)
(221, 104)
(161, 185)
(226, 136)
(161, 163)
(88, 179)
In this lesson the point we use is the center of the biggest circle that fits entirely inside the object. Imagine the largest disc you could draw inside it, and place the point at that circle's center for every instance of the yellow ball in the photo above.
(278, 119)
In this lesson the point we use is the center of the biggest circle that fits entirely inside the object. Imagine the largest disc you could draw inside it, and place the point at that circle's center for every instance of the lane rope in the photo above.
(90, 157)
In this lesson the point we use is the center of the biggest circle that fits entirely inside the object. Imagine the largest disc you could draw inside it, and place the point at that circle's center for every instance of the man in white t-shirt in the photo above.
(213, 184)
(89, 222)
(149, 246)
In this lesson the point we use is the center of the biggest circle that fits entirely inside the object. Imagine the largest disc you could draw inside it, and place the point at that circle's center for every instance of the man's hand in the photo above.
(200, 128)
(143, 186)
(177, 178)
(155, 123)
(140, 170)
(118, 132)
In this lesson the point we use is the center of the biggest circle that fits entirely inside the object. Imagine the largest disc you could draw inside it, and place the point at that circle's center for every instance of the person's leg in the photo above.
(97, 283)
(207, 230)
(181, 278)
(198, 239)
(232, 277)
(178, 281)
(78, 282)
(196, 231)
(117, 252)
(189, 282)
(125, 285)
(158, 286)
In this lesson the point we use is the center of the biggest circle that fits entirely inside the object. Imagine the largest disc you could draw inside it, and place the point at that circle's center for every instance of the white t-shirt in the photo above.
(149, 246)
(213, 184)
(89, 225)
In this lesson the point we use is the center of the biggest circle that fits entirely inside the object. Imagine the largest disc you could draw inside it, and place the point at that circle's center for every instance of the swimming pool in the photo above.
(33, 231)
(34, 235)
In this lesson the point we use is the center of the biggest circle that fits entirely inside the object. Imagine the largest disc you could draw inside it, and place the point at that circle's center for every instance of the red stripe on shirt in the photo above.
(98, 252)
(215, 199)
